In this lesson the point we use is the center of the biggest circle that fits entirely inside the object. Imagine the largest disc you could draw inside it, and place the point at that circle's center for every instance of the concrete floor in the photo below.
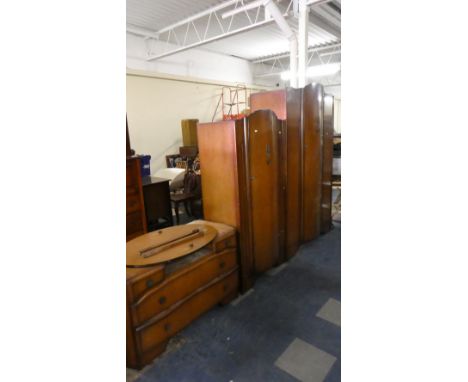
(286, 329)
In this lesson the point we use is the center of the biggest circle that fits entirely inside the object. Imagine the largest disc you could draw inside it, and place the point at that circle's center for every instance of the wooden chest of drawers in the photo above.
(136, 221)
(163, 299)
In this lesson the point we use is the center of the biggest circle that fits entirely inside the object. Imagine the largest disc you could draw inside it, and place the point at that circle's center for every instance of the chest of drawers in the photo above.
(165, 298)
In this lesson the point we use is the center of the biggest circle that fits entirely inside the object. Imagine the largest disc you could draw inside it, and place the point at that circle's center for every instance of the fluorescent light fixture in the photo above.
(316, 71)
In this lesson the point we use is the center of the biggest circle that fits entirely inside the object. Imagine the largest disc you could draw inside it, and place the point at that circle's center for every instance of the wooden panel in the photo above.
(274, 100)
(327, 163)
(218, 161)
(141, 280)
(181, 314)
(294, 180)
(287, 104)
(189, 132)
(282, 189)
(183, 284)
(245, 229)
(312, 163)
(264, 168)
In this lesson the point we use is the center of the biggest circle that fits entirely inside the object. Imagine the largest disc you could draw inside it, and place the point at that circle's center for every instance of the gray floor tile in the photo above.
(331, 311)
(305, 362)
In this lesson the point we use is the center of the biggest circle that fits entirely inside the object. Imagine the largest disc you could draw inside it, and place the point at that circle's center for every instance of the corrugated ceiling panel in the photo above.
(259, 42)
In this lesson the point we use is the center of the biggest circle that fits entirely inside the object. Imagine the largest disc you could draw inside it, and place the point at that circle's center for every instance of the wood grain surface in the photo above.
(168, 244)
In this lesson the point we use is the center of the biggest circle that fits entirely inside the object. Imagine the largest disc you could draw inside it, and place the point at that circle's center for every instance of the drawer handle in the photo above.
(162, 300)
(167, 326)
(222, 264)
(149, 283)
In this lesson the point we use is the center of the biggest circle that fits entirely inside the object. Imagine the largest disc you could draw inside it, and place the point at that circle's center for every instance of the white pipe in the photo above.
(303, 43)
(279, 18)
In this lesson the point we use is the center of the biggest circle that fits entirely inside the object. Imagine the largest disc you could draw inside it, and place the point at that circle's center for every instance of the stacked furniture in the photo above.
(269, 175)
(188, 278)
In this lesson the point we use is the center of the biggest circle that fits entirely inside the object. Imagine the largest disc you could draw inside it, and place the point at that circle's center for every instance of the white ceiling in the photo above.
(152, 15)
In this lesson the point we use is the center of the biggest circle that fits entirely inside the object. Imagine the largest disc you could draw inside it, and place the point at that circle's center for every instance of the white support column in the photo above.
(303, 42)
(293, 61)
(289, 33)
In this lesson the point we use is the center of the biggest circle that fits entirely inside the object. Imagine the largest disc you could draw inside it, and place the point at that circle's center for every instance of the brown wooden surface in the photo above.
(264, 169)
(218, 161)
(189, 132)
(244, 206)
(135, 217)
(160, 302)
(294, 163)
(274, 100)
(168, 323)
(327, 164)
(168, 244)
(182, 285)
(312, 160)
(157, 199)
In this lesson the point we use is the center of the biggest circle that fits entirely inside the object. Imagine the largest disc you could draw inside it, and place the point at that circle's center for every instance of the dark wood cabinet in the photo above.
(157, 201)
(136, 220)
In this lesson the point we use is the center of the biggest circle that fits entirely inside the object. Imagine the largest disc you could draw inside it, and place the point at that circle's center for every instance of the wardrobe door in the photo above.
(312, 160)
(327, 164)
(264, 172)
(293, 174)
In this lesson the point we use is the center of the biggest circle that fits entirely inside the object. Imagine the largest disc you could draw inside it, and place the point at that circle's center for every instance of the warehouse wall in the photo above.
(157, 103)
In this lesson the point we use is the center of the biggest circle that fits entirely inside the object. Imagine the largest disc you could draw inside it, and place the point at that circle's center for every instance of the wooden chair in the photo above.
(190, 193)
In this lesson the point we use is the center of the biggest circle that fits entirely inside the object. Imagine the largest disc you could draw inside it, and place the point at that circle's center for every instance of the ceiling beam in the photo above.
(284, 55)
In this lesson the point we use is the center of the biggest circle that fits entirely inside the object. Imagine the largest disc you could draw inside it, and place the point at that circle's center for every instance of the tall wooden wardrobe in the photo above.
(243, 185)
(309, 125)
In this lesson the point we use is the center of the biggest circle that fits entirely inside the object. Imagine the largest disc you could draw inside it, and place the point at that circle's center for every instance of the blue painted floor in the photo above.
(241, 343)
